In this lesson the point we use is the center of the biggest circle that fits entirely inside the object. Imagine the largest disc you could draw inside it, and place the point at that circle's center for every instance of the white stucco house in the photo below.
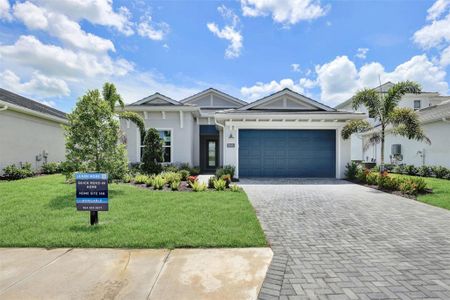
(282, 135)
(29, 131)
(433, 110)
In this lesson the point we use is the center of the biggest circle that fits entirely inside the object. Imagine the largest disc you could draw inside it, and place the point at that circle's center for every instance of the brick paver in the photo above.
(333, 240)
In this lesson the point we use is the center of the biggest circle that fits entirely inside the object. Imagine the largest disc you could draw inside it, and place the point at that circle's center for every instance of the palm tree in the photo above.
(384, 109)
(111, 96)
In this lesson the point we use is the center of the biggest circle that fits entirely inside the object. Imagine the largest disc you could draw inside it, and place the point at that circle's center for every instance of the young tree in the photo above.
(92, 135)
(153, 152)
(113, 98)
(384, 109)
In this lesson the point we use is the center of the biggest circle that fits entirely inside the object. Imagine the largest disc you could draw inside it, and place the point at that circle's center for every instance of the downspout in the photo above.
(223, 138)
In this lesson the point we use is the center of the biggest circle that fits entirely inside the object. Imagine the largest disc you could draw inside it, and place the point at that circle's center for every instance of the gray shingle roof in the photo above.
(18, 100)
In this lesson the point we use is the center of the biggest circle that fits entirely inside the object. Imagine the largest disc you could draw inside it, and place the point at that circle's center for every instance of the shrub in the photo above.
(412, 186)
(372, 178)
(424, 171)
(227, 179)
(361, 175)
(170, 177)
(149, 181)
(50, 168)
(440, 172)
(194, 171)
(184, 174)
(351, 170)
(192, 179)
(153, 152)
(159, 182)
(169, 168)
(141, 179)
(235, 188)
(184, 166)
(411, 170)
(211, 182)
(127, 178)
(197, 186)
(386, 182)
(225, 170)
(67, 169)
(12, 172)
(376, 169)
(175, 185)
(135, 168)
(220, 184)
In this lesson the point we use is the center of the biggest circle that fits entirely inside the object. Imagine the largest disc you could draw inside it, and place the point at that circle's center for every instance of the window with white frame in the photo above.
(417, 104)
(166, 137)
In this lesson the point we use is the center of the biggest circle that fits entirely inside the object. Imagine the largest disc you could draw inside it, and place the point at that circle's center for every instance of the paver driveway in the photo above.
(335, 240)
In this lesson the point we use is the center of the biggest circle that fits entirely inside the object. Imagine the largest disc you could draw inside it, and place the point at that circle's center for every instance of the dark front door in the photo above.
(209, 153)
(287, 153)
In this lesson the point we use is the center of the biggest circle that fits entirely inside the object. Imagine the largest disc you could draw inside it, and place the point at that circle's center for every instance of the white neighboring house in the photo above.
(434, 114)
(282, 135)
(29, 132)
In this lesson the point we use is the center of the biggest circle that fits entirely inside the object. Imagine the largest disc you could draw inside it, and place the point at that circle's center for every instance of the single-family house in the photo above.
(433, 111)
(282, 135)
(29, 131)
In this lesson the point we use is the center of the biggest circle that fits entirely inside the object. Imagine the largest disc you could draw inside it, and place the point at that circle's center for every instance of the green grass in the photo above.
(441, 192)
(40, 212)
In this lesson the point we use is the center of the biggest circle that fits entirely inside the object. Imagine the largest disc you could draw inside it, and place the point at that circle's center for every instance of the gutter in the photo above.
(31, 112)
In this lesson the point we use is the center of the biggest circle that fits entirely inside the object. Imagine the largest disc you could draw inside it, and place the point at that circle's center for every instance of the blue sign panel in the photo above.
(92, 191)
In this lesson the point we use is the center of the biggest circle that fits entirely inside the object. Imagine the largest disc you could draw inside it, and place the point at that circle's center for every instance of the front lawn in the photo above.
(441, 191)
(40, 212)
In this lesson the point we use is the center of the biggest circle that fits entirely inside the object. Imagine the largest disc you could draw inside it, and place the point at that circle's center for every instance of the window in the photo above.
(417, 104)
(166, 137)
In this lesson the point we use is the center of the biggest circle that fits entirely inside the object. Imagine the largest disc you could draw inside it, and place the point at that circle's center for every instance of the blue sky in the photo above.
(53, 51)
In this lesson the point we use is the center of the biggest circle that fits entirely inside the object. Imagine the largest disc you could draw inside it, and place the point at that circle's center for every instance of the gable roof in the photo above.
(27, 103)
(165, 100)
(228, 97)
(287, 92)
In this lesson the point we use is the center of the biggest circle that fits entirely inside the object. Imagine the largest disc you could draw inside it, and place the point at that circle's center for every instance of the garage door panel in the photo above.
(287, 153)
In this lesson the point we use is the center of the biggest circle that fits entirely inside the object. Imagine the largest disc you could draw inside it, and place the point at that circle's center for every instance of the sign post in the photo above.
(92, 193)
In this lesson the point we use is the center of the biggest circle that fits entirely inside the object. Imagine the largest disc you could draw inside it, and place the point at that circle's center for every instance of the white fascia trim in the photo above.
(160, 108)
(216, 92)
(305, 116)
(34, 113)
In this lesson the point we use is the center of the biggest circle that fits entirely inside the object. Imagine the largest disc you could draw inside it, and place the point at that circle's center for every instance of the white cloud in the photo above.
(261, 89)
(39, 85)
(295, 67)
(438, 8)
(4, 10)
(99, 12)
(340, 79)
(287, 12)
(437, 33)
(152, 30)
(362, 53)
(229, 32)
(58, 25)
(53, 60)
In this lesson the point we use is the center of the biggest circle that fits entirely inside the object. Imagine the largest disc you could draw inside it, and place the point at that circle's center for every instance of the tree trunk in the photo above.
(382, 150)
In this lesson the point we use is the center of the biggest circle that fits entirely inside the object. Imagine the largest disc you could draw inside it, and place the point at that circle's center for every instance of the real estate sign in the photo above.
(92, 191)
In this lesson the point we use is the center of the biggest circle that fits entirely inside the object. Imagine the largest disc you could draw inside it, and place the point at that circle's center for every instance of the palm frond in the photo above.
(370, 99)
(135, 118)
(110, 95)
(406, 123)
(395, 93)
(355, 126)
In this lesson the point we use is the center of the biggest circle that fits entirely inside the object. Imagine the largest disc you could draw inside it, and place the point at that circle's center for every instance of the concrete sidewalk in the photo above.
(33, 273)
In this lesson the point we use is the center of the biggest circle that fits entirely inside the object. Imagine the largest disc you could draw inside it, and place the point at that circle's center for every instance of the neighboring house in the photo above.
(434, 114)
(29, 131)
(282, 135)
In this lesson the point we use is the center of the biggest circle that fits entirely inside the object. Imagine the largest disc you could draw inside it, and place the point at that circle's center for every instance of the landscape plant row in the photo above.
(384, 181)
(422, 171)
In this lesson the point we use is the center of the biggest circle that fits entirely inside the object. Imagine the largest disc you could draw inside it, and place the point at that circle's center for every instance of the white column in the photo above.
(181, 119)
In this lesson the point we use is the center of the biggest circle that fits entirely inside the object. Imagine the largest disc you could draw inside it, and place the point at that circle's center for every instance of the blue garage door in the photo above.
(287, 153)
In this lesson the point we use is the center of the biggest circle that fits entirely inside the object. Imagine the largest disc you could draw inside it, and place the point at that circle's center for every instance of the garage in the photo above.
(287, 153)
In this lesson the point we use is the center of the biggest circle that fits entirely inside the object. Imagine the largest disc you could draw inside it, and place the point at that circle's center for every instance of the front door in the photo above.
(209, 154)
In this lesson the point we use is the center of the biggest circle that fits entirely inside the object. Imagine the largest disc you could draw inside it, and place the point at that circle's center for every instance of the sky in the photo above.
(54, 51)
